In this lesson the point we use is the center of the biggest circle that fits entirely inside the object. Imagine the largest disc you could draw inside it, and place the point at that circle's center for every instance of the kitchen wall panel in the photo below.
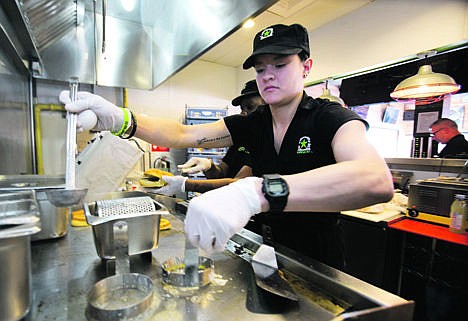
(15, 132)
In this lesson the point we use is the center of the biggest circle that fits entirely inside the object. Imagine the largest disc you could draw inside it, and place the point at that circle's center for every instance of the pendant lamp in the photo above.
(327, 95)
(426, 86)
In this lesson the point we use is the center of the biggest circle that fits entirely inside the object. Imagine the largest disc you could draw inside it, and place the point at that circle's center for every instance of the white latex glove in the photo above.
(195, 165)
(109, 117)
(213, 217)
(175, 184)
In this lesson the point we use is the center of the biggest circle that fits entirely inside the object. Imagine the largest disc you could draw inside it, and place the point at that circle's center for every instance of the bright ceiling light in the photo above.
(248, 24)
(425, 87)
(128, 5)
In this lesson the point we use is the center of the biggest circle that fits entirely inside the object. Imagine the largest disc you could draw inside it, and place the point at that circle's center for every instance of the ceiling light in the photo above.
(248, 24)
(426, 86)
(327, 95)
(128, 5)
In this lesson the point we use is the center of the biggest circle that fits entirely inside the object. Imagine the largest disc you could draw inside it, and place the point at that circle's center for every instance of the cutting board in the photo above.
(387, 213)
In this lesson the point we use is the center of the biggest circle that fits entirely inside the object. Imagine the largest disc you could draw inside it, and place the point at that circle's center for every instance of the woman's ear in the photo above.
(307, 66)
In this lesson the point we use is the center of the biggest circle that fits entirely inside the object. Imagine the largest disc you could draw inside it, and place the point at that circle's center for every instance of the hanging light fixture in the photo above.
(327, 95)
(426, 86)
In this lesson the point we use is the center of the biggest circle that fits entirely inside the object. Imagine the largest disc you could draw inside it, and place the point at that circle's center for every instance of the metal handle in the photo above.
(71, 138)
(122, 260)
(191, 260)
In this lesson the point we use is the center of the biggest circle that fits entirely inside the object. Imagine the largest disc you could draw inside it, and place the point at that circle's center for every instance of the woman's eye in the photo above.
(259, 70)
(280, 65)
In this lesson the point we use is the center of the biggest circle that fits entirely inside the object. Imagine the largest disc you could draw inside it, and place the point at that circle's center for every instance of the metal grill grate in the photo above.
(123, 206)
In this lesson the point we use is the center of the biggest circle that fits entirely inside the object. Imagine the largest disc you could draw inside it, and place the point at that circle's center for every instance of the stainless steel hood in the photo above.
(121, 43)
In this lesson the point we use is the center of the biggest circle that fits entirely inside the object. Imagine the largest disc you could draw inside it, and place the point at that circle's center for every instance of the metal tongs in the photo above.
(70, 195)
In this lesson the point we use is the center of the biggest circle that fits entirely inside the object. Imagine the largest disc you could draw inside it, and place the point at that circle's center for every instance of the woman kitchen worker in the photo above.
(319, 149)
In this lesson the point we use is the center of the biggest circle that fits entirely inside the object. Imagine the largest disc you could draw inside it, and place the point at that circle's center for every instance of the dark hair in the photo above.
(303, 55)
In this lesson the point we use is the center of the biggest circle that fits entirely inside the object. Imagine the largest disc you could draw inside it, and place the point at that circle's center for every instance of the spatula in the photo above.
(267, 275)
(190, 265)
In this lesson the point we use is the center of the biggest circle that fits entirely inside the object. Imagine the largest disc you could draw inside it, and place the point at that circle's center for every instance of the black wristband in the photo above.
(133, 127)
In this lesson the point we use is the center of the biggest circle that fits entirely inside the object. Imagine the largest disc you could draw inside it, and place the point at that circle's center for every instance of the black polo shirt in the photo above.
(306, 144)
(236, 157)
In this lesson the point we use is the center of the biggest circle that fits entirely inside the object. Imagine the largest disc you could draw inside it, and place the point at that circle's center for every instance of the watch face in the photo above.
(276, 191)
(276, 187)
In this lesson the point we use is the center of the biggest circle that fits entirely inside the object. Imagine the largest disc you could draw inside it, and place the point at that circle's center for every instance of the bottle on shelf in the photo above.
(459, 214)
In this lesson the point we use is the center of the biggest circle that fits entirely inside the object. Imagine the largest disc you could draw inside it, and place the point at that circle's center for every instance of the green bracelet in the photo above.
(126, 123)
(133, 127)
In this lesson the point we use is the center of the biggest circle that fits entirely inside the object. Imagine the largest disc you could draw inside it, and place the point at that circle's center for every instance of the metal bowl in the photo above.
(66, 197)
(120, 297)
(173, 271)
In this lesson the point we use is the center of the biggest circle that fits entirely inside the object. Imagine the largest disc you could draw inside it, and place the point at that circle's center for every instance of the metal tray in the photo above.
(54, 220)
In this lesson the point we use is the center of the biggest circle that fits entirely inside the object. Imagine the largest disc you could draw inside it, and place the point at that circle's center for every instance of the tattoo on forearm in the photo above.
(209, 140)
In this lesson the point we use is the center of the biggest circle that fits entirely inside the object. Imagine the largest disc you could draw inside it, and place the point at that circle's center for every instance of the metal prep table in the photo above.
(63, 270)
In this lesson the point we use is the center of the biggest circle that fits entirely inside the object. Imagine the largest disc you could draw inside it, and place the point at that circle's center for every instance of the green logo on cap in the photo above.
(266, 33)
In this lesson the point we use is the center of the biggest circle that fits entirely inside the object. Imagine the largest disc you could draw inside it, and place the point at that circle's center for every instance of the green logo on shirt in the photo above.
(244, 150)
(303, 147)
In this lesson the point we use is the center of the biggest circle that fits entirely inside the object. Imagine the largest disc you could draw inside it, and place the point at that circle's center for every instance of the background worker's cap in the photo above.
(280, 40)
(250, 89)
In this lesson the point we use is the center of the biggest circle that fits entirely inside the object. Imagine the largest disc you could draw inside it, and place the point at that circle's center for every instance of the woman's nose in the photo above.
(268, 73)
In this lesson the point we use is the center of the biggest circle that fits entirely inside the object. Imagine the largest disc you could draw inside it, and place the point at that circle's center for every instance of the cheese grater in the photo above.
(140, 211)
(143, 205)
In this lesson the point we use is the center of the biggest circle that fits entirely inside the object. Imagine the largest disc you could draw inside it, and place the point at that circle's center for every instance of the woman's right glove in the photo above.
(195, 165)
(109, 117)
(213, 217)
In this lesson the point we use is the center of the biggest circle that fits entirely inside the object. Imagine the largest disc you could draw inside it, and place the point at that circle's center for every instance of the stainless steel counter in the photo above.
(65, 269)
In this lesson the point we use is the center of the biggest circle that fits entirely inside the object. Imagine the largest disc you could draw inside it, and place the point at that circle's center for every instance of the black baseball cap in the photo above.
(250, 89)
(279, 39)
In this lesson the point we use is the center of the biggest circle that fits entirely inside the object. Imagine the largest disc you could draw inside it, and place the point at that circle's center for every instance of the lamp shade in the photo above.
(327, 95)
(425, 87)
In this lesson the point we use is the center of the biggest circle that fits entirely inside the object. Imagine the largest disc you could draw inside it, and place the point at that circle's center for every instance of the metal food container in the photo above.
(54, 220)
(15, 253)
(173, 271)
(17, 208)
(143, 228)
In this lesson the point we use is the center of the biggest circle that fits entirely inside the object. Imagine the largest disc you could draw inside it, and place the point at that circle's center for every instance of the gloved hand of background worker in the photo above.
(175, 184)
(195, 165)
(213, 217)
(94, 112)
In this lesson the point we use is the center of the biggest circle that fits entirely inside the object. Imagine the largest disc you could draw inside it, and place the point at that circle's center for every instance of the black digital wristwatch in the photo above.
(276, 191)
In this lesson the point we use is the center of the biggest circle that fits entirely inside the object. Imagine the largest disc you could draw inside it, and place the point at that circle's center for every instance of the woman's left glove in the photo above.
(109, 117)
(213, 217)
(175, 184)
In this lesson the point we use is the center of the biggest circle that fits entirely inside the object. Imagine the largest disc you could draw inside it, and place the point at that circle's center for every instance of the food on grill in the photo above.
(164, 224)
(78, 218)
(152, 178)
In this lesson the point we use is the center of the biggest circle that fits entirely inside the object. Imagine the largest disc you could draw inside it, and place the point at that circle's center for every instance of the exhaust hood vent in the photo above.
(111, 44)
(49, 20)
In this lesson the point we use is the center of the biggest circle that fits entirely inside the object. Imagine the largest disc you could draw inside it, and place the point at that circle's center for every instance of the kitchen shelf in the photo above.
(197, 116)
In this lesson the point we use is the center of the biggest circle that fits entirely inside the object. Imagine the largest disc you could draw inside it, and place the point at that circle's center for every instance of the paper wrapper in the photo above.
(104, 164)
